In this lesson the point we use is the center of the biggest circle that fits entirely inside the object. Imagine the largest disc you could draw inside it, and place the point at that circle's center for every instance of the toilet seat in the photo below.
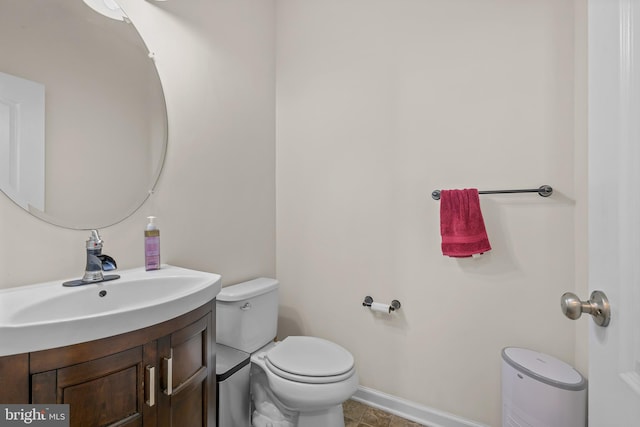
(310, 360)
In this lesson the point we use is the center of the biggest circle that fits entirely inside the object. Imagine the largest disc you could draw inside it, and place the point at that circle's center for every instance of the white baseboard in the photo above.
(410, 410)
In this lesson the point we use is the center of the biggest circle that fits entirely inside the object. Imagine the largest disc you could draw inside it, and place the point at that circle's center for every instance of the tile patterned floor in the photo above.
(357, 414)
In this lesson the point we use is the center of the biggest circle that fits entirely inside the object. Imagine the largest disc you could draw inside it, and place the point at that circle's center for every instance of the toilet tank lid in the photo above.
(249, 289)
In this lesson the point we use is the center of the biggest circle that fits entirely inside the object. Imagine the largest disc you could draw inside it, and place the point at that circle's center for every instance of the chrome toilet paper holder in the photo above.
(395, 304)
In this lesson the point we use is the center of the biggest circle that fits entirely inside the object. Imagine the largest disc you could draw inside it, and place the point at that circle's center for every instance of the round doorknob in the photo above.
(571, 305)
(597, 306)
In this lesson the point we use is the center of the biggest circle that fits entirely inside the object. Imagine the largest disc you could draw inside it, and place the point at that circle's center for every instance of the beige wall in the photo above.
(378, 104)
(581, 179)
(215, 201)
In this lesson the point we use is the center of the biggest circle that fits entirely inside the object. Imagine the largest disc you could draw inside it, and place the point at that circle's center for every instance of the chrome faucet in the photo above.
(97, 263)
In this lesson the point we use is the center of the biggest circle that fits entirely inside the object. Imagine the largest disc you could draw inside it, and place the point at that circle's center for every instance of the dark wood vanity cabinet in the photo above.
(163, 375)
(100, 392)
(184, 377)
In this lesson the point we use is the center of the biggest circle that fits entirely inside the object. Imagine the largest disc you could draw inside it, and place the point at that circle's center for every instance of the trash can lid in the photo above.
(229, 361)
(544, 367)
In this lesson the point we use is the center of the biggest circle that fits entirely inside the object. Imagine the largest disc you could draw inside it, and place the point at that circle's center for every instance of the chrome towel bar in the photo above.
(544, 191)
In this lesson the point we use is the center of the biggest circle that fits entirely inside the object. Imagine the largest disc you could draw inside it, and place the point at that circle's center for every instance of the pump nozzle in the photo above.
(152, 223)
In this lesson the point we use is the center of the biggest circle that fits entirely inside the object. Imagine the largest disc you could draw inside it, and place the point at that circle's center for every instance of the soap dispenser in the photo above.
(151, 245)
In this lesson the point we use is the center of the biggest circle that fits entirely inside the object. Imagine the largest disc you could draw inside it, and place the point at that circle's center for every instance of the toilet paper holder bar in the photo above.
(395, 304)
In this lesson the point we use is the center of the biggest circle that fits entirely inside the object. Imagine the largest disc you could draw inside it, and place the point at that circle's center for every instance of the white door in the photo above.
(614, 210)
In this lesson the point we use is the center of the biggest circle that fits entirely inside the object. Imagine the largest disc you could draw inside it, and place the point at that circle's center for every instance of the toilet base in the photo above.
(330, 417)
(269, 411)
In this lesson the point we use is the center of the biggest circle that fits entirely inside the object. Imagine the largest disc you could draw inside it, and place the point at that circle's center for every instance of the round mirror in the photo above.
(83, 121)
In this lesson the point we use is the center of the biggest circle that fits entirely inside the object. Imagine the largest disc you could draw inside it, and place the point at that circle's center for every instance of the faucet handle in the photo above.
(94, 242)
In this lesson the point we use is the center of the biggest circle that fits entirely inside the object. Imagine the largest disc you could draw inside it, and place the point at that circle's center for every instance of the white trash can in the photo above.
(539, 390)
(232, 387)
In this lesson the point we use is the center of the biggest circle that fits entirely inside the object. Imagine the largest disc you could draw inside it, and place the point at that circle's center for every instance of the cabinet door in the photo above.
(187, 398)
(108, 391)
(14, 379)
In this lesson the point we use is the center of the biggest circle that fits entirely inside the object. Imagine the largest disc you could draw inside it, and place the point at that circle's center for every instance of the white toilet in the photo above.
(297, 382)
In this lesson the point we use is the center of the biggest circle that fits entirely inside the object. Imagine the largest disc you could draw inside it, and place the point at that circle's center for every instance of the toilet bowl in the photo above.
(309, 376)
(298, 382)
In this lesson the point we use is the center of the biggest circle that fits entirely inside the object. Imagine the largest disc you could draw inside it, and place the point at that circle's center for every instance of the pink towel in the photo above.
(461, 223)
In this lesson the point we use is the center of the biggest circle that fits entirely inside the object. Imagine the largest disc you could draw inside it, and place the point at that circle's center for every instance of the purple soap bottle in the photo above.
(151, 245)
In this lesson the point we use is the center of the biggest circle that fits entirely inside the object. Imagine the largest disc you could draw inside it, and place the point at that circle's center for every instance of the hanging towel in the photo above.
(461, 223)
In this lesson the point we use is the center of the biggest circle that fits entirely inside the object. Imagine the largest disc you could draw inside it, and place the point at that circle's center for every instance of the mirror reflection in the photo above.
(83, 125)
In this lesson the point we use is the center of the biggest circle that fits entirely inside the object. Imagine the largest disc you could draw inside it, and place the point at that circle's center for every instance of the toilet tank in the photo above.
(247, 314)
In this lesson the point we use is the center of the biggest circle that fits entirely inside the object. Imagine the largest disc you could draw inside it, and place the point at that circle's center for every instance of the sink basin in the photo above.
(48, 315)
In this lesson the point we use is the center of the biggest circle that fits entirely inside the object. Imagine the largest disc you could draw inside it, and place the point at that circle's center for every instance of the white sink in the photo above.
(49, 315)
